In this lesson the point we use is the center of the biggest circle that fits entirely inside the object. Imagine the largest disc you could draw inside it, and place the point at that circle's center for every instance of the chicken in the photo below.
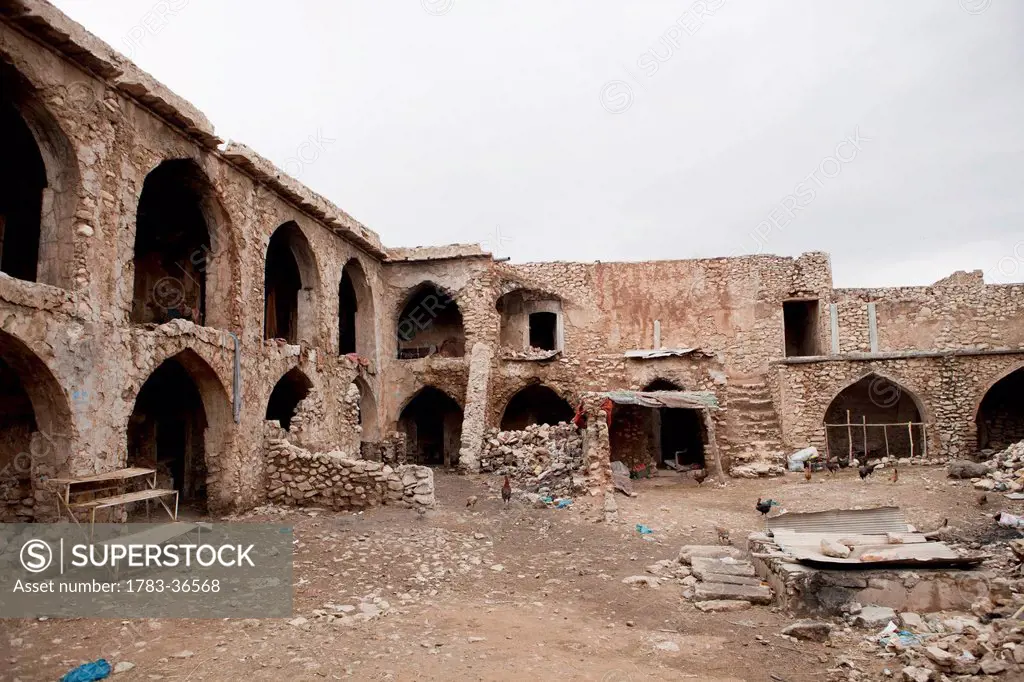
(723, 535)
(832, 465)
(807, 471)
(471, 501)
(700, 475)
(866, 470)
(982, 499)
(766, 506)
(895, 474)
(506, 491)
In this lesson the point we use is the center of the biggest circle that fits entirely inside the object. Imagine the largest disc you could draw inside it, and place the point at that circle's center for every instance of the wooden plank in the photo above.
(118, 475)
(153, 536)
(127, 498)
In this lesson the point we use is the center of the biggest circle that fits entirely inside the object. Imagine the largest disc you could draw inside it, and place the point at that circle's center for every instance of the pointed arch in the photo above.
(289, 391)
(432, 422)
(179, 426)
(39, 182)
(999, 414)
(535, 404)
(887, 406)
(291, 286)
(180, 261)
(356, 333)
(429, 323)
(36, 429)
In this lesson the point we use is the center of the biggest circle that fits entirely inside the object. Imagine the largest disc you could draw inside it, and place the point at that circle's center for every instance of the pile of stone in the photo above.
(335, 481)
(531, 353)
(543, 459)
(935, 645)
(1003, 472)
(757, 470)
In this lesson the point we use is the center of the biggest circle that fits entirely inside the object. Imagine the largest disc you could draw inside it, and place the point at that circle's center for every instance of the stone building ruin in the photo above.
(172, 299)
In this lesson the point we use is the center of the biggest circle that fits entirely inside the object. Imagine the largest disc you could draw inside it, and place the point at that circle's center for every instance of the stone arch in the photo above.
(291, 286)
(535, 403)
(289, 391)
(663, 384)
(530, 319)
(36, 432)
(999, 413)
(39, 186)
(432, 422)
(180, 425)
(180, 251)
(876, 399)
(356, 319)
(429, 323)
(367, 411)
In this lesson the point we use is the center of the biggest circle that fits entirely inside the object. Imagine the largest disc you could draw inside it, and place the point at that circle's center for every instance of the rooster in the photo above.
(723, 535)
(766, 506)
(700, 475)
(895, 474)
(866, 470)
(832, 465)
(506, 491)
(807, 471)
(471, 501)
(982, 499)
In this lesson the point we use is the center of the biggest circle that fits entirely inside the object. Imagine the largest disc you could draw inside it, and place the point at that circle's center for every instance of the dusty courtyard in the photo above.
(503, 593)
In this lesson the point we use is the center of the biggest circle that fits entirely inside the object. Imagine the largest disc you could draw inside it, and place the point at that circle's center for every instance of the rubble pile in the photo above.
(715, 578)
(934, 646)
(1004, 471)
(543, 459)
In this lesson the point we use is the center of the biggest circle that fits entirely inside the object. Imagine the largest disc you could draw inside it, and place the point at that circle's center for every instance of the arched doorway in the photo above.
(678, 435)
(430, 323)
(170, 428)
(432, 422)
(290, 285)
(356, 332)
(367, 411)
(38, 181)
(874, 416)
(535, 404)
(289, 391)
(1000, 416)
(173, 248)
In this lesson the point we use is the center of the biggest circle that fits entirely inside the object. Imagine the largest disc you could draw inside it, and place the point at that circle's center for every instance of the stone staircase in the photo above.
(753, 434)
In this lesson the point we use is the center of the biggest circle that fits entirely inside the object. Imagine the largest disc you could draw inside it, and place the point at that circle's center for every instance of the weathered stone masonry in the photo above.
(131, 337)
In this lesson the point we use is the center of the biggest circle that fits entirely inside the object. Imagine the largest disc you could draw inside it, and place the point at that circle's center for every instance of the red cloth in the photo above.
(607, 407)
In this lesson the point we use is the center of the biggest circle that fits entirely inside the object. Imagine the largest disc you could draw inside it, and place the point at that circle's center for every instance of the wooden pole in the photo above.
(849, 439)
(924, 440)
(865, 421)
(828, 453)
(885, 432)
(910, 431)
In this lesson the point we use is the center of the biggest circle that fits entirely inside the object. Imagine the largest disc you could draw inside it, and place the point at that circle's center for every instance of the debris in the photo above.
(643, 530)
(834, 549)
(722, 605)
(123, 667)
(88, 672)
(875, 616)
(797, 459)
(810, 630)
(667, 645)
(642, 581)
(962, 468)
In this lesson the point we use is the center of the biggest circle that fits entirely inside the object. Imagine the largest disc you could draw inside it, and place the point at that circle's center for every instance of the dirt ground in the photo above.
(500, 593)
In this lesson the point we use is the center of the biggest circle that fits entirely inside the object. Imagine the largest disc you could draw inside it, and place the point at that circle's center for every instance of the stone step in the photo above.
(725, 566)
(688, 552)
(731, 579)
(755, 594)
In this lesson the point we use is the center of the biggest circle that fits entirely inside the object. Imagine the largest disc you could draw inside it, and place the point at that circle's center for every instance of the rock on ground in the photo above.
(811, 630)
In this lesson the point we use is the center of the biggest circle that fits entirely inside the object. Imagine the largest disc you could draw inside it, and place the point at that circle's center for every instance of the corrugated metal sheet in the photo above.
(693, 400)
(658, 353)
(875, 521)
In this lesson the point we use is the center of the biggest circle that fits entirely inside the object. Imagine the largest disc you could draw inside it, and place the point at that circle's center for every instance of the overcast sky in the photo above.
(612, 130)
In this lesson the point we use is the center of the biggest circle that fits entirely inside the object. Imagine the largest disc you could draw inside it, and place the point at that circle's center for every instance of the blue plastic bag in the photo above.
(643, 530)
(88, 672)
(562, 504)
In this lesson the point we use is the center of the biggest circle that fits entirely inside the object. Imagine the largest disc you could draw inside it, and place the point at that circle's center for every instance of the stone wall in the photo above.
(334, 481)
(544, 459)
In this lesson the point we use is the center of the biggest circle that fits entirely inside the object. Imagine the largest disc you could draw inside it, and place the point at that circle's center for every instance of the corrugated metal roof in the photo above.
(693, 400)
(875, 521)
